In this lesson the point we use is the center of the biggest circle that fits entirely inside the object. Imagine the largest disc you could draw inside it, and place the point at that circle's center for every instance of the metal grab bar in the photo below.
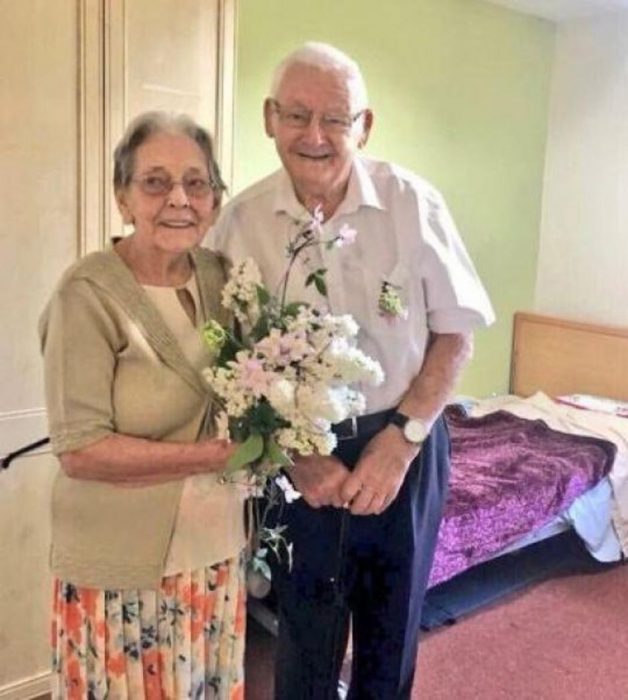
(7, 459)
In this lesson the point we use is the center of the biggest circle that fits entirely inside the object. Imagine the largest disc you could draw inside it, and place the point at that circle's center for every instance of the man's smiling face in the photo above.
(317, 154)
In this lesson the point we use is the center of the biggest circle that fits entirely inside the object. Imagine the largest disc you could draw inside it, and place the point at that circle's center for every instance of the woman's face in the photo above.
(169, 200)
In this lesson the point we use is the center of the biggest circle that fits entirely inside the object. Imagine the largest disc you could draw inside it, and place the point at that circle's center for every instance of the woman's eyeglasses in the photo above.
(161, 185)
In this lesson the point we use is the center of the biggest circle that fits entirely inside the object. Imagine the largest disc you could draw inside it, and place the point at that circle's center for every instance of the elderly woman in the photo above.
(147, 542)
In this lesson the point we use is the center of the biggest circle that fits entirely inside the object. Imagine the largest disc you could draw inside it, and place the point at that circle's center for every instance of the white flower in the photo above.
(290, 439)
(346, 326)
(351, 364)
(322, 402)
(226, 385)
(324, 443)
(281, 396)
(289, 492)
(240, 293)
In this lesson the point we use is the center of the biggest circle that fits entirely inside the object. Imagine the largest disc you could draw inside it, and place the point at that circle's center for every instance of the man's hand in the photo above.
(375, 482)
(319, 480)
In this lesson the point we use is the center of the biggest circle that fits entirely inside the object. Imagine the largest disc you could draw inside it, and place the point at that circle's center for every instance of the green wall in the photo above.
(460, 92)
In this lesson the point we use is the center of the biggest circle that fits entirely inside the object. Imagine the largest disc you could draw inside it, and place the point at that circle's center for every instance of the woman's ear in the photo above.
(123, 207)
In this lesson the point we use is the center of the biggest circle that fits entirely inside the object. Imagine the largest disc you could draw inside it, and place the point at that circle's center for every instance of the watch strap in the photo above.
(399, 419)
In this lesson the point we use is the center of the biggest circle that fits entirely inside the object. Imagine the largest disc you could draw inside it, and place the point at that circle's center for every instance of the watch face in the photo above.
(415, 431)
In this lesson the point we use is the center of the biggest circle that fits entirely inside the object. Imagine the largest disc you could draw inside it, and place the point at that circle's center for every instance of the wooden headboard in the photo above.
(567, 357)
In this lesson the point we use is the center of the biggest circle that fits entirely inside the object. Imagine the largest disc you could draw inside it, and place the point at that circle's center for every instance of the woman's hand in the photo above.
(219, 451)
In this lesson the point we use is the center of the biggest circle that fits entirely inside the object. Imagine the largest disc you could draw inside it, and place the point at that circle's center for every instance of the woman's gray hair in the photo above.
(149, 123)
(326, 58)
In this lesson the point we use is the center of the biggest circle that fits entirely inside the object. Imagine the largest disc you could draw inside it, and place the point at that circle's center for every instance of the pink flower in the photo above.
(295, 346)
(316, 222)
(346, 236)
(253, 376)
(282, 349)
(270, 346)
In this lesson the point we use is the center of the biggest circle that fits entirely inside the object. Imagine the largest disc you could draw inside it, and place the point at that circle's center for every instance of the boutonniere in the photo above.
(389, 301)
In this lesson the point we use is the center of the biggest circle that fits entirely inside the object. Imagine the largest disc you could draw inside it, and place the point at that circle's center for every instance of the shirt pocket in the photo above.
(364, 286)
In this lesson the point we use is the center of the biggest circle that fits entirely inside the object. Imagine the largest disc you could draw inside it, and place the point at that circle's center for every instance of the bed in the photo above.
(525, 467)
(551, 357)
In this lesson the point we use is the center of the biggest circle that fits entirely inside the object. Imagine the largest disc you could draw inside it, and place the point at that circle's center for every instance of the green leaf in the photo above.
(321, 286)
(262, 418)
(263, 568)
(228, 352)
(271, 535)
(237, 430)
(276, 455)
(263, 295)
(321, 272)
(318, 279)
(261, 329)
(292, 309)
(250, 450)
(258, 558)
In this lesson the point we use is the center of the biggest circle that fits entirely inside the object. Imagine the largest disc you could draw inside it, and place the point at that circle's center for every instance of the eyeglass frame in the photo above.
(339, 124)
(169, 184)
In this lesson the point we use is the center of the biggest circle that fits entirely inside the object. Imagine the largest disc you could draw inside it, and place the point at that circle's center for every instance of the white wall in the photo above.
(38, 238)
(38, 205)
(583, 256)
(25, 585)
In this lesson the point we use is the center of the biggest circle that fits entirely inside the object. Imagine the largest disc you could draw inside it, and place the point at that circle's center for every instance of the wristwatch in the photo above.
(414, 430)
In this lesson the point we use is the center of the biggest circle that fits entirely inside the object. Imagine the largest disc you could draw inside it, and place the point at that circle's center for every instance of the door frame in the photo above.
(101, 108)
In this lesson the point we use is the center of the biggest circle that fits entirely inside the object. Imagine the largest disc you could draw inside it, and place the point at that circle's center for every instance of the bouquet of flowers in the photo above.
(284, 376)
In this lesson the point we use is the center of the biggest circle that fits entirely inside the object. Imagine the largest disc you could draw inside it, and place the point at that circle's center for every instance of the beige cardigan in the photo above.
(112, 365)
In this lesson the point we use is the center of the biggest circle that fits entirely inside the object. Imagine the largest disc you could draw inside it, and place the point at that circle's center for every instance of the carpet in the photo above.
(563, 639)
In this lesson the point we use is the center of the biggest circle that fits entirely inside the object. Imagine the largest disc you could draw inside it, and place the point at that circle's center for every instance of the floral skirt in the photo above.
(185, 640)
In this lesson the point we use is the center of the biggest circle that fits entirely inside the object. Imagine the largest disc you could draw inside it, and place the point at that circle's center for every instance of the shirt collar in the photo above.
(360, 192)
(285, 200)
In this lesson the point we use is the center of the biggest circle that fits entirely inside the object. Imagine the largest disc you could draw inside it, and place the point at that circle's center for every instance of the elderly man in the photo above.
(365, 530)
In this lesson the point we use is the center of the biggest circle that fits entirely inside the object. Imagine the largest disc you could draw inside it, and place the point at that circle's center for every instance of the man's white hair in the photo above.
(326, 58)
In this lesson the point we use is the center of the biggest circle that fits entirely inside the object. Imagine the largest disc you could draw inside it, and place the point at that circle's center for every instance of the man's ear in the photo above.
(123, 207)
(268, 117)
(367, 123)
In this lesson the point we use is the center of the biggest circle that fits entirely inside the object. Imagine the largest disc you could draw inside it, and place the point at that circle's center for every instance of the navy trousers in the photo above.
(371, 571)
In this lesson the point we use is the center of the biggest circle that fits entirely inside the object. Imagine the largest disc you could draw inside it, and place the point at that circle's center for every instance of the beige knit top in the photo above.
(112, 364)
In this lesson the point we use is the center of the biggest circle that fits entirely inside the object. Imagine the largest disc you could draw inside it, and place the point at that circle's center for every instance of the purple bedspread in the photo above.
(509, 477)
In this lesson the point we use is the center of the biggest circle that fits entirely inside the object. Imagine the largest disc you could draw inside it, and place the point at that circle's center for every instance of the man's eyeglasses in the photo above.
(296, 118)
(161, 185)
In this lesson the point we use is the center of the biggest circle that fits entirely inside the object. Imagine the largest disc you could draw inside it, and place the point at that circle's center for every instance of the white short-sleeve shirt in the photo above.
(405, 236)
